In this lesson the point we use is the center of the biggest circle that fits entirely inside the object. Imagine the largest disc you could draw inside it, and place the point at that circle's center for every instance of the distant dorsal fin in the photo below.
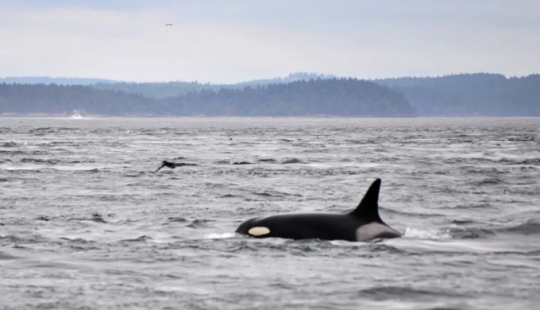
(368, 209)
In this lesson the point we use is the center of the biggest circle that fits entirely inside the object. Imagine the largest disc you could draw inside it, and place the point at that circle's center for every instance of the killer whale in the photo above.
(171, 165)
(361, 224)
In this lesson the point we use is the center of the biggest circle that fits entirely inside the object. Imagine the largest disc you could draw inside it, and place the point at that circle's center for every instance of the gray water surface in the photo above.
(85, 223)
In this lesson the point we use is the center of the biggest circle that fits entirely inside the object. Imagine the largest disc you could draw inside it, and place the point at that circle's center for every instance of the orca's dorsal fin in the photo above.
(368, 208)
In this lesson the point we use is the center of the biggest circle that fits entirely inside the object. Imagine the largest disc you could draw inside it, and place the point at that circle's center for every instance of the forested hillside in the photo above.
(60, 99)
(470, 94)
(174, 89)
(298, 94)
(343, 97)
(158, 90)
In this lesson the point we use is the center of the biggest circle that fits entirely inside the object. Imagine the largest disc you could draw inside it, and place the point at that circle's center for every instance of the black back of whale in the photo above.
(361, 224)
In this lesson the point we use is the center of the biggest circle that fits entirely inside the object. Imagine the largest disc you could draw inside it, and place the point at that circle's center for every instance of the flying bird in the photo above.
(169, 24)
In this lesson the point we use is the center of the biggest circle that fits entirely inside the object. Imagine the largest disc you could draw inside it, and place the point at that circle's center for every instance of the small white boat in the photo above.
(76, 114)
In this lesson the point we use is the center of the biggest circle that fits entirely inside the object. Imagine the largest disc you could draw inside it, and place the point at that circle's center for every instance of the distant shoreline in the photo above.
(92, 116)
(463, 95)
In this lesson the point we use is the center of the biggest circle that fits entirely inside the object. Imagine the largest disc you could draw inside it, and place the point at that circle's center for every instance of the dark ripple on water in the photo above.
(470, 233)
(532, 227)
(406, 293)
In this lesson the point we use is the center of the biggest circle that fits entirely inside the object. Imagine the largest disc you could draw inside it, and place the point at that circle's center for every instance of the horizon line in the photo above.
(327, 76)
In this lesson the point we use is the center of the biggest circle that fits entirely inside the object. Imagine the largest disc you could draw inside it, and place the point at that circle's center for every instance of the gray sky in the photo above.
(230, 41)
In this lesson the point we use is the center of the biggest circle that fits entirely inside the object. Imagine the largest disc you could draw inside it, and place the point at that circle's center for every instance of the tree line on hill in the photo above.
(339, 97)
(23, 99)
(480, 94)
(162, 90)
(345, 97)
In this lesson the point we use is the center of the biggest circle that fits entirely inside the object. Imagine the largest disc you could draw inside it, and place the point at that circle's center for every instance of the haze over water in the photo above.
(85, 223)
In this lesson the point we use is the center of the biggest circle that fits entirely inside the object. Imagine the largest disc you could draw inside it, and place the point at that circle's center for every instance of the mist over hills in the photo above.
(174, 89)
(299, 94)
(53, 80)
(481, 94)
(339, 97)
(336, 97)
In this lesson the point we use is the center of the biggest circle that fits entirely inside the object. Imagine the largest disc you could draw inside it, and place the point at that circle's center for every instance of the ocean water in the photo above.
(87, 223)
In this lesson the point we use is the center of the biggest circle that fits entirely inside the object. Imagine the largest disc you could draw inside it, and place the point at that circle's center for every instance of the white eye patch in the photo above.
(259, 231)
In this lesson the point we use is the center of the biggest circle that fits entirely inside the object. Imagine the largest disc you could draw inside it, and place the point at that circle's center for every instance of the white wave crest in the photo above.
(220, 235)
(412, 232)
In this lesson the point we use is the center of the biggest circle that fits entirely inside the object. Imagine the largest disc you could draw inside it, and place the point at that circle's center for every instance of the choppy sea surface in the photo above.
(87, 223)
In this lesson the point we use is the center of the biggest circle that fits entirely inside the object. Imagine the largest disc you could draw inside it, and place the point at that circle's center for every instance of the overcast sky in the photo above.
(230, 41)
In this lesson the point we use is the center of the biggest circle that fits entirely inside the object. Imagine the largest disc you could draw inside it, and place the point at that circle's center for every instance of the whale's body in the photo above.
(361, 224)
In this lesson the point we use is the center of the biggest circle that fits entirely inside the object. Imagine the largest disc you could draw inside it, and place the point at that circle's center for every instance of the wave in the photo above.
(230, 196)
(291, 161)
(292, 247)
(39, 161)
(410, 214)
(177, 219)
(275, 194)
(95, 217)
(41, 131)
(521, 161)
(470, 233)
(472, 206)
(261, 161)
(243, 246)
(488, 181)
(19, 241)
(77, 240)
(26, 160)
(521, 138)
(222, 162)
(304, 247)
(416, 233)
(9, 144)
(460, 232)
(198, 223)
(142, 238)
(220, 235)
(267, 160)
(6, 256)
(379, 246)
(386, 292)
(24, 152)
(529, 228)
(481, 170)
